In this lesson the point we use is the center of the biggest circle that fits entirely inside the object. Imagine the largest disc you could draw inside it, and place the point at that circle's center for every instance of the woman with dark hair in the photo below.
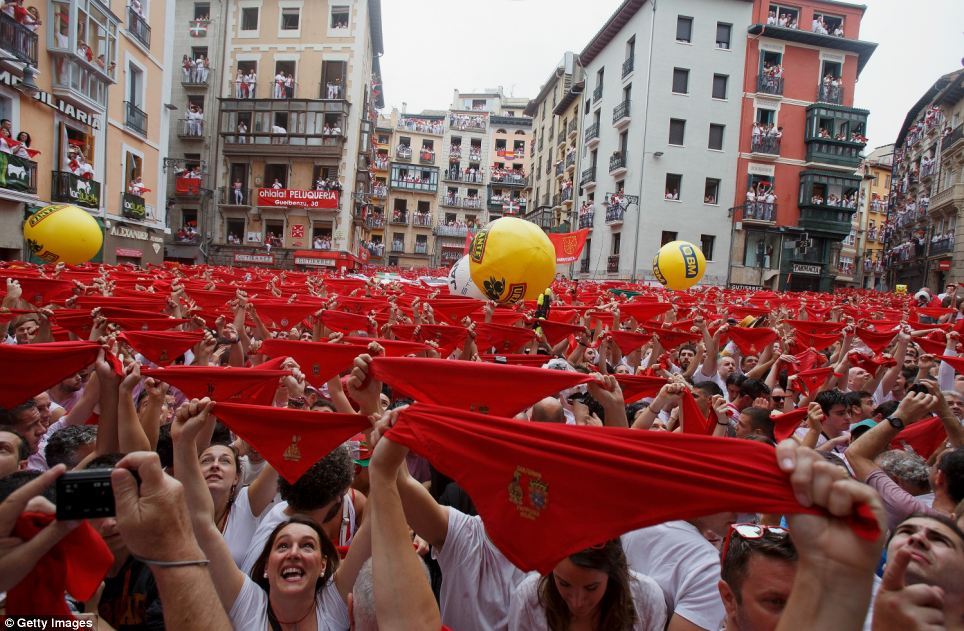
(593, 589)
(23, 137)
(296, 579)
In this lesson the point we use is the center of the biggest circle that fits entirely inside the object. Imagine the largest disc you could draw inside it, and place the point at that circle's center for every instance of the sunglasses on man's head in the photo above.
(750, 531)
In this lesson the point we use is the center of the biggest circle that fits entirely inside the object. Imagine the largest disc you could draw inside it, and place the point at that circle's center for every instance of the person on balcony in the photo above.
(187, 68)
(278, 134)
(279, 85)
(194, 173)
(277, 184)
(237, 190)
(250, 82)
(242, 132)
(289, 86)
(201, 69)
(77, 163)
(240, 87)
(195, 121)
(234, 239)
(136, 187)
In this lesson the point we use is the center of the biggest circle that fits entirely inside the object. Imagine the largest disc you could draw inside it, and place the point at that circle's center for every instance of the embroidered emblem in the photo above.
(530, 506)
(292, 452)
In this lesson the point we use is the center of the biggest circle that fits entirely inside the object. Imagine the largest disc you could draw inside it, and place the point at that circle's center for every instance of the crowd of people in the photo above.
(245, 83)
(472, 175)
(283, 86)
(760, 202)
(321, 242)
(330, 184)
(422, 125)
(772, 77)
(830, 89)
(612, 456)
(819, 25)
(186, 234)
(820, 198)
(137, 187)
(194, 121)
(785, 19)
(20, 146)
(333, 89)
(466, 121)
(766, 137)
(194, 69)
(511, 176)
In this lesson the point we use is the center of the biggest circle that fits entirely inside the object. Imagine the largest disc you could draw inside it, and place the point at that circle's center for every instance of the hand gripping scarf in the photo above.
(241, 385)
(452, 311)
(670, 339)
(808, 381)
(319, 361)
(290, 440)
(345, 322)
(32, 368)
(517, 359)
(924, 437)
(816, 341)
(497, 389)
(393, 348)
(43, 291)
(692, 418)
(162, 347)
(278, 314)
(870, 364)
(530, 481)
(785, 424)
(875, 341)
(931, 346)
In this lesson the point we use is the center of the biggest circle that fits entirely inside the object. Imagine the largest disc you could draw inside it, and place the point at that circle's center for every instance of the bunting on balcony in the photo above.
(569, 245)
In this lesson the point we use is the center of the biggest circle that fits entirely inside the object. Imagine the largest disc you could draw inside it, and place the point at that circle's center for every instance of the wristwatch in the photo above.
(896, 422)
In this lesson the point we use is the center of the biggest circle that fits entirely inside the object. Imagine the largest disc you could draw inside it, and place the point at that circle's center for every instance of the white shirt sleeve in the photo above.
(945, 373)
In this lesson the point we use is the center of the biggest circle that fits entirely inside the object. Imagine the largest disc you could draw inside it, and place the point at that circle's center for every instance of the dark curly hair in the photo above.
(326, 480)
(63, 444)
(617, 612)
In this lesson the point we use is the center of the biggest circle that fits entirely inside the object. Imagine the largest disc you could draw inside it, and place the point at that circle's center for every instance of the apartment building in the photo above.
(869, 221)
(554, 152)
(663, 102)
(800, 145)
(927, 190)
(295, 113)
(87, 84)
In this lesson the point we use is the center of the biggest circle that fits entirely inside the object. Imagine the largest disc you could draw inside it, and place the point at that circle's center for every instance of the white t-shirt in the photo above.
(526, 614)
(250, 608)
(240, 527)
(477, 579)
(684, 564)
(255, 543)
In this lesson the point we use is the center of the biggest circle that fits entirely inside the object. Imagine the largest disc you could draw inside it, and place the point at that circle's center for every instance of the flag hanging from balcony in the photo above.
(510, 208)
(569, 245)
(199, 28)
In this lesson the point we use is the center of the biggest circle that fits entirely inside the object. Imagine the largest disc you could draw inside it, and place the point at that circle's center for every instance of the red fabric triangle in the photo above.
(555, 332)
(741, 312)
(319, 361)
(881, 326)
(154, 304)
(77, 321)
(162, 347)
(284, 315)
(507, 317)
(530, 481)
(453, 310)
(344, 286)
(32, 368)
(241, 385)
(752, 341)
(876, 342)
(500, 390)
(627, 341)
(76, 565)
(816, 326)
(816, 341)
(518, 359)
(785, 424)
(211, 299)
(935, 312)
(957, 363)
(290, 440)
(144, 324)
(870, 364)
(505, 339)
(636, 387)
(692, 418)
(808, 381)
(361, 304)
(566, 316)
(344, 322)
(806, 360)
(924, 437)
(644, 311)
(931, 347)
(670, 339)
(41, 291)
(446, 336)
(393, 348)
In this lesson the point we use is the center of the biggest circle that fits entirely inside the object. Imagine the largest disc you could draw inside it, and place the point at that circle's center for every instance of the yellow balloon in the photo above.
(679, 265)
(61, 233)
(512, 259)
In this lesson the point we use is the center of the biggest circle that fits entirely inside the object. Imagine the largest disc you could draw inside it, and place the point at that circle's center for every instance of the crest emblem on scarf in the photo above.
(528, 492)
(292, 452)
(163, 356)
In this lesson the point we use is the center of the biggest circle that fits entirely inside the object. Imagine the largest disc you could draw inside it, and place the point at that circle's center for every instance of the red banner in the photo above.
(187, 186)
(569, 245)
(285, 197)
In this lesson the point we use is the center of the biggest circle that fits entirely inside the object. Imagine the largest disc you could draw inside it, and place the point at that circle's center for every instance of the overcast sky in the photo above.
(435, 46)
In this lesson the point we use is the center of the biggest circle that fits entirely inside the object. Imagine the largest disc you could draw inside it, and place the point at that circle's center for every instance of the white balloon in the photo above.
(460, 280)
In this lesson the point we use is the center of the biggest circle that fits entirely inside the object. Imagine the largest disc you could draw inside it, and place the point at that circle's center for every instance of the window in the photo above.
(290, 19)
(234, 230)
(681, 80)
(723, 35)
(684, 29)
(631, 48)
(668, 236)
(716, 136)
(339, 17)
(617, 241)
(677, 129)
(760, 250)
(135, 85)
(202, 10)
(719, 86)
(249, 18)
(711, 193)
(674, 182)
(706, 244)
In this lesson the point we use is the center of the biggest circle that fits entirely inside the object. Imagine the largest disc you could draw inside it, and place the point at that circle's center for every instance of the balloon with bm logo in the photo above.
(679, 265)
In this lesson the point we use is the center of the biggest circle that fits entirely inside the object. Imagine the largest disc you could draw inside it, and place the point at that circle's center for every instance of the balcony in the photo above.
(403, 153)
(829, 220)
(67, 187)
(231, 196)
(187, 187)
(379, 191)
(617, 164)
(764, 143)
(398, 248)
(759, 212)
(380, 163)
(375, 222)
(584, 265)
(399, 218)
(457, 175)
(566, 194)
(612, 264)
(509, 178)
(946, 197)
(588, 176)
(450, 201)
(432, 126)
(467, 122)
(443, 230)
(421, 248)
(507, 204)
(196, 77)
(426, 157)
(430, 186)
(586, 219)
(621, 114)
(615, 215)
(475, 155)
(942, 246)
(572, 129)
(928, 169)
(134, 207)
(190, 129)
(472, 202)
(18, 40)
(628, 67)
(829, 93)
(136, 118)
(591, 137)
(571, 161)
(455, 154)
(952, 138)
(306, 132)
(560, 168)
(829, 151)
(20, 174)
(597, 93)
(138, 27)
(422, 220)
(766, 84)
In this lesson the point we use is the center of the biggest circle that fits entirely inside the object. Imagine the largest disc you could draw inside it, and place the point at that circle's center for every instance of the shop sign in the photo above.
(52, 101)
(308, 260)
(133, 206)
(15, 173)
(129, 253)
(944, 265)
(802, 268)
(285, 197)
(261, 259)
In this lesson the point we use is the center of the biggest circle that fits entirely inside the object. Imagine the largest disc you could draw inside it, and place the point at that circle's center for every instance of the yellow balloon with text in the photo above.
(679, 265)
(511, 259)
(61, 233)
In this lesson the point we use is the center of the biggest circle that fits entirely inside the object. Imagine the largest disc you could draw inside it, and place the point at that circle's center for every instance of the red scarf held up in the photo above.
(344, 322)
(42, 291)
(144, 324)
(875, 341)
(752, 341)
(636, 387)
(806, 360)
(505, 339)
(644, 311)
(319, 361)
(555, 332)
(816, 341)
(808, 381)
(670, 339)
(290, 440)
(283, 315)
(517, 359)
(162, 347)
(76, 565)
(931, 346)
(870, 364)
(627, 341)
(924, 437)
(692, 418)
(32, 368)
(241, 385)
(452, 311)
(393, 348)
(786, 424)
(530, 481)
(816, 326)
(446, 336)
(506, 317)
(496, 389)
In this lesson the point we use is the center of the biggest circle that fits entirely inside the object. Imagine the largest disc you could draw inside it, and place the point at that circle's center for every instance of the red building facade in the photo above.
(800, 144)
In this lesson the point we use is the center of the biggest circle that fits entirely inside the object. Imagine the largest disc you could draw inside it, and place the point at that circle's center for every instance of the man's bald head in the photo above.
(548, 410)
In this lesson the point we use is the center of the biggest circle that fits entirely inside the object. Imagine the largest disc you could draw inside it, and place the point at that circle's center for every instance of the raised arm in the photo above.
(862, 452)
(130, 433)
